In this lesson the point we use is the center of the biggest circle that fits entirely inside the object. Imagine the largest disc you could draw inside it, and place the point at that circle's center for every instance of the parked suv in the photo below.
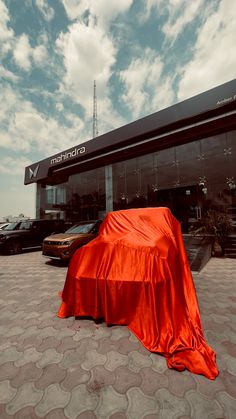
(29, 235)
(63, 246)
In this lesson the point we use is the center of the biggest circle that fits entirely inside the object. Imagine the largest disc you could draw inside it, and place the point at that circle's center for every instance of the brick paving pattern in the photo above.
(65, 368)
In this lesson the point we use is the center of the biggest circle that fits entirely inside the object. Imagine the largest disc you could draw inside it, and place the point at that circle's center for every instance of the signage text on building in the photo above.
(68, 155)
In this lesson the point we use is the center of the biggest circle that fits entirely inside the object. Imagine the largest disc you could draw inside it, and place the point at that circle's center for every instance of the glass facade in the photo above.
(189, 179)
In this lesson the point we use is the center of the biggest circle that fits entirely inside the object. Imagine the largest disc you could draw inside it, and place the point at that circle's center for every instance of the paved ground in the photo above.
(65, 368)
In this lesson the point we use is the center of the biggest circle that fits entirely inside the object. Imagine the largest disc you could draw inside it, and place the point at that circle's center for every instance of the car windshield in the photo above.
(25, 225)
(81, 228)
(11, 226)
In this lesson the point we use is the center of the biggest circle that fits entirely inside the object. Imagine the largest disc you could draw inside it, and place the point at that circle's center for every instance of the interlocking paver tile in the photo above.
(118, 416)
(26, 413)
(140, 404)
(67, 343)
(28, 372)
(81, 401)
(102, 332)
(125, 379)
(70, 358)
(100, 376)
(209, 388)
(158, 363)
(14, 331)
(50, 374)
(74, 377)
(82, 333)
(50, 356)
(47, 343)
(203, 407)
(54, 397)
(29, 355)
(119, 332)
(171, 406)
(110, 402)
(106, 345)
(92, 359)
(86, 345)
(114, 360)
(230, 362)
(178, 384)
(125, 345)
(31, 331)
(152, 381)
(27, 395)
(138, 361)
(7, 392)
(9, 354)
(87, 415)
(8, 371)
(229, 382)
(228, 403)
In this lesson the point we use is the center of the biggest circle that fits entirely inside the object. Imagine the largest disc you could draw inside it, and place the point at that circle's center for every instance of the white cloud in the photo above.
(105, 12)
(6, 74)
(149, 5)
(5, 32)
(39, 55)
(89, 54)
(145, 90)
(14, 166)
(22, 52)
(18, 199)
(5, 140)
(181, 13)
(75, 8)
(48, 12)
(212, 64)
(24, 55)
(59, 107)
(24, 129)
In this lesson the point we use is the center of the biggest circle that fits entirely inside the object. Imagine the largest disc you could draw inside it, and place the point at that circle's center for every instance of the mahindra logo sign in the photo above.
(33, 172)
(68, 155)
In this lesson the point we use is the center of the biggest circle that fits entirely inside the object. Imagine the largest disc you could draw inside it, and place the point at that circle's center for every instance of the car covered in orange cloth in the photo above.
(136, 273)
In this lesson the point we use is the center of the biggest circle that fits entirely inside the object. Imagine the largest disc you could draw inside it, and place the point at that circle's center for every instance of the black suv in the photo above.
(29, 235)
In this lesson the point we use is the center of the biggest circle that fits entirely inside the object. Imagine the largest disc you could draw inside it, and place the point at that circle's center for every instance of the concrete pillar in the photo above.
(109, 188)
(40, 200)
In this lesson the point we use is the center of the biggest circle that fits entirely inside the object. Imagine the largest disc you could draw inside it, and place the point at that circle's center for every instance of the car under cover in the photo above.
(136, 273)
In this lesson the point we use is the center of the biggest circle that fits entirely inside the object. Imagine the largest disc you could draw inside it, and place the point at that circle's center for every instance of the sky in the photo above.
(145, 55)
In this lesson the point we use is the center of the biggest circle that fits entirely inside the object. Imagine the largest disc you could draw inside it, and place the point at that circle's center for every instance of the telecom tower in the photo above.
(95, 119)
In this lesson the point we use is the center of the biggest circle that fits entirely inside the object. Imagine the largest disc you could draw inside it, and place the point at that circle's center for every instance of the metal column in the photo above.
(109, 188)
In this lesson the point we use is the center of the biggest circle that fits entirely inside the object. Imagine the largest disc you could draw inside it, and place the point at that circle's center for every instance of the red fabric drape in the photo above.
(136, 273)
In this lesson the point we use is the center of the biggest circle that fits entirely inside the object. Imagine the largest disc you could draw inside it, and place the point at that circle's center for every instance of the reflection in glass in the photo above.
(189, 179)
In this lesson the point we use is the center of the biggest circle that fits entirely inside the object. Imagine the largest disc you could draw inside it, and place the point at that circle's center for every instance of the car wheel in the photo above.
(14, 247)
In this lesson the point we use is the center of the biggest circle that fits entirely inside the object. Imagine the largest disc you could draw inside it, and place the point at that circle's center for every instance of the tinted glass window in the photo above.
(25, 225)
(11, 226)
(82, 228)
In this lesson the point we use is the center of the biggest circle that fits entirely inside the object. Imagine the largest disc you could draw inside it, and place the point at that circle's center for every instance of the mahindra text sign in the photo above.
(68, 155)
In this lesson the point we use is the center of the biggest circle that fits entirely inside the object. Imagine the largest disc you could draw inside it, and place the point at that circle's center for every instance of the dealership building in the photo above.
(182, 157)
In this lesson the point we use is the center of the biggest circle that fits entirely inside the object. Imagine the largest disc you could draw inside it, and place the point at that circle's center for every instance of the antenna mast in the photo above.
(95, 119)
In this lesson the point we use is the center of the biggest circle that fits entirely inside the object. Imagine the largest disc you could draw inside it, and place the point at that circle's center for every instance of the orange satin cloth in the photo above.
(136, 273)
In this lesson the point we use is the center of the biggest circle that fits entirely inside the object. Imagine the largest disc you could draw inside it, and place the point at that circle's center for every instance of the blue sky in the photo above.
(145, 55)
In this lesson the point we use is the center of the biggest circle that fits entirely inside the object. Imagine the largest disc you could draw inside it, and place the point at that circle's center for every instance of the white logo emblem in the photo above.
(33, 173)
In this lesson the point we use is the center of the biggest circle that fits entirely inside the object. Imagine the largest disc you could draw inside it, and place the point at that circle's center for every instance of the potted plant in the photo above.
(216, 224)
